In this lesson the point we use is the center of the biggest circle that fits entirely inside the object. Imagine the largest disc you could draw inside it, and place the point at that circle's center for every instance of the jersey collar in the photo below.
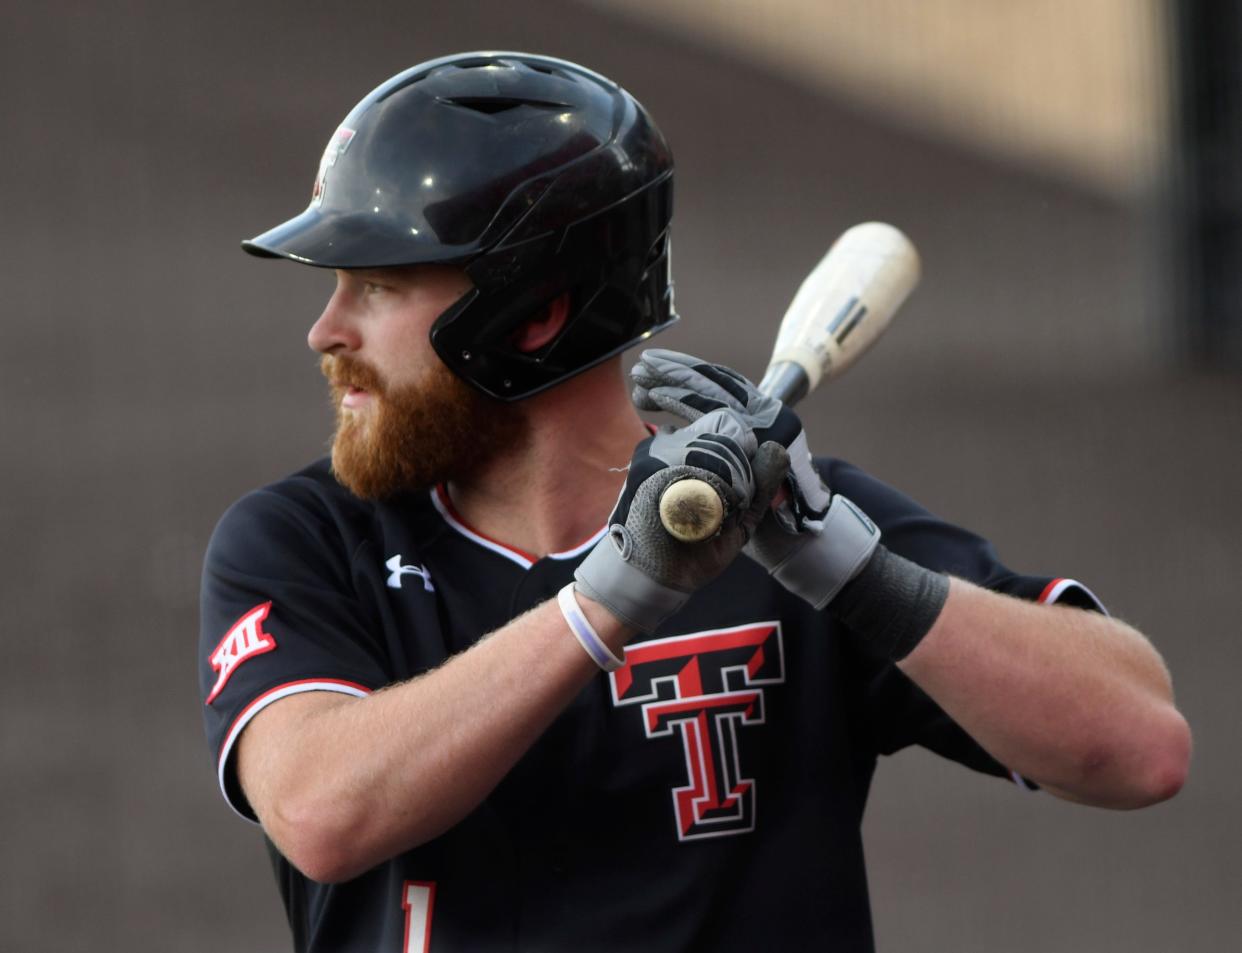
(440, 499)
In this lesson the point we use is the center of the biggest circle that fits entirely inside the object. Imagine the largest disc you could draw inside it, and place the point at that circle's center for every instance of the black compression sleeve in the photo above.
(891, 604)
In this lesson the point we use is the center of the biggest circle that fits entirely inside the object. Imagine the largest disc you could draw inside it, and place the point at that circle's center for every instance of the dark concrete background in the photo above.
(152, 374)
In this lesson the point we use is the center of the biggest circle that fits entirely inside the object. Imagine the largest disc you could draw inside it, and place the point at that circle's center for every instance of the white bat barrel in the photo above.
(842, 307)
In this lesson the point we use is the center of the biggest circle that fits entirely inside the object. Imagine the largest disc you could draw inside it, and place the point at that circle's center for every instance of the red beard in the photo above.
(416, 436)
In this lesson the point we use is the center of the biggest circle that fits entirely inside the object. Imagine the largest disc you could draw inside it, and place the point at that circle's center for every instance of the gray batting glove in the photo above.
(815, 562)
(813, 542)
(639, 572)
(688, 387)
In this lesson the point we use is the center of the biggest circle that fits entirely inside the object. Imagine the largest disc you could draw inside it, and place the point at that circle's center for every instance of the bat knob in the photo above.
(691, 510)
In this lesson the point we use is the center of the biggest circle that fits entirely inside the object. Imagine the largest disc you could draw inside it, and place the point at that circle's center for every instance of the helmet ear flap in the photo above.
(541, 330)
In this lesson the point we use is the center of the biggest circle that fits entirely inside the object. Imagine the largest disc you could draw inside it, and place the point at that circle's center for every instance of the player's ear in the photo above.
(538, 331)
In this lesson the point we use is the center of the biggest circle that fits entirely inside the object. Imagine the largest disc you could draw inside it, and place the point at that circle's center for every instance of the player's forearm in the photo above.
(1074, 700)
(358, 781)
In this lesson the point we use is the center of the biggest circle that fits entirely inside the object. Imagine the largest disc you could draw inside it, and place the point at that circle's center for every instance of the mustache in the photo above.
(343, 372)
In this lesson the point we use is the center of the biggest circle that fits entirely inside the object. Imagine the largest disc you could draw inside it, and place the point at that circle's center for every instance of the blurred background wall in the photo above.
(1071, 89)
(1068, 173)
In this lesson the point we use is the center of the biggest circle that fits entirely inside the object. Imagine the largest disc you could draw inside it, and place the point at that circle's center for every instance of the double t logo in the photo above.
(706, 685)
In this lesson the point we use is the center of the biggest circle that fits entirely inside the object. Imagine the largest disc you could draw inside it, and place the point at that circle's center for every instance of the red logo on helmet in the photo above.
(243, 641)
(335, 149)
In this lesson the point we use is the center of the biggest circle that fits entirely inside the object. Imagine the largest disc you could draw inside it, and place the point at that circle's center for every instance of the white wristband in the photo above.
(587, 637)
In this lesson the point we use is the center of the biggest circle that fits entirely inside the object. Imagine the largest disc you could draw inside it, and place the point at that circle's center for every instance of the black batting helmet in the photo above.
(535, 175)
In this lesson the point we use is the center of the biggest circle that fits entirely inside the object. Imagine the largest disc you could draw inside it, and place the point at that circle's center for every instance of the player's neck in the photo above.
(555, 492)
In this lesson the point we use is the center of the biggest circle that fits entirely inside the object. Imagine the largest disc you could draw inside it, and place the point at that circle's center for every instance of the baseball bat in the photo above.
(841, 308)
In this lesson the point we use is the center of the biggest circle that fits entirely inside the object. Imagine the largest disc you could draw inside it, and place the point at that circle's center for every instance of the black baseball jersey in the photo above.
(706, 796)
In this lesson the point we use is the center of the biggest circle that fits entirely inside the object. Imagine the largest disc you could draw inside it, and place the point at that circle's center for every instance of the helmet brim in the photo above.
(327, 240)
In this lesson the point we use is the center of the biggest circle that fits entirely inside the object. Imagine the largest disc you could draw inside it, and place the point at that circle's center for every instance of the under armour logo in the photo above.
(397, 571)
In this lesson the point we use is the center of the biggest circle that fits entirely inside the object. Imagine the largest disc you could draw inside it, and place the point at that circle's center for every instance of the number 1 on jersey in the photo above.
(417, 899)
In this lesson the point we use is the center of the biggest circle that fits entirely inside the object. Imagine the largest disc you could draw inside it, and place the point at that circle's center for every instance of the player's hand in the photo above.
(688, 387)
(638, 571)
(812, 542)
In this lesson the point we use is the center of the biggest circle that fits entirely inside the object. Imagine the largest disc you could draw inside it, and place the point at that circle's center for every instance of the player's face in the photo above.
(383, 316)
(404, 420)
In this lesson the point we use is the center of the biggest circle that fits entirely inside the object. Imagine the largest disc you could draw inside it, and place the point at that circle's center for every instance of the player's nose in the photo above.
(335, 329)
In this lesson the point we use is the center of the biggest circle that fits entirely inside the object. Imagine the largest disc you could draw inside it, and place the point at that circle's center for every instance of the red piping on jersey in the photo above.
(443, 497)
(245, 712)
(261, 702)
(1058, 587)
(442, 494)
(1044, 596)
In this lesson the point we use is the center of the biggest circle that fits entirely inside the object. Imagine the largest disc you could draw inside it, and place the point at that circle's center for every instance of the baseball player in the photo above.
(475, 695)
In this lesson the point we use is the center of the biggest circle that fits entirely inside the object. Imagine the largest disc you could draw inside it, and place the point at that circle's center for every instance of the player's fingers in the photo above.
(722, 456)
(728, 380)
(658, 368)
(678, 401)
(719, 456)
(664, 360)
(660, 399)
(770, 465)
(640, 397)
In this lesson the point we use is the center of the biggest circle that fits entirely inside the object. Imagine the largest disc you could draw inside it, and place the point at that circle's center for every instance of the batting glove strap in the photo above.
(891, 604)
(811, 497)
(818, 569)
(622, 588)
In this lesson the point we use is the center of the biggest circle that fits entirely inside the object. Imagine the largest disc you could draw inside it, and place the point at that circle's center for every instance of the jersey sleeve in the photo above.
(897, 712)
(278, 617)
